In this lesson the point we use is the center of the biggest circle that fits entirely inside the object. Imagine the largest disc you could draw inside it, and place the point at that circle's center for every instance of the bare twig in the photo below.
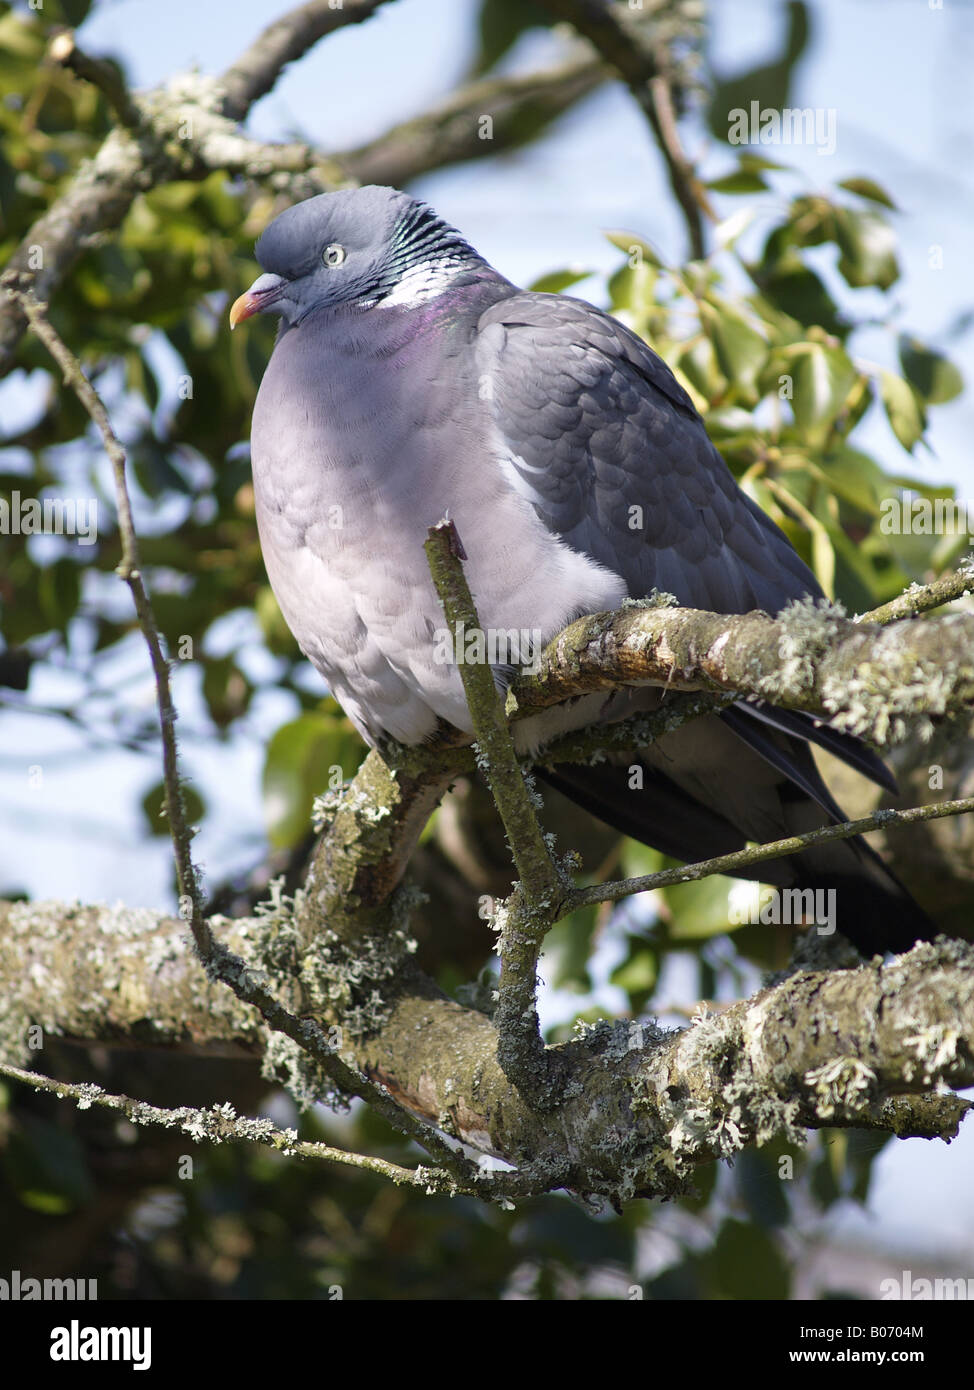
(129, 570)
(540, 878)
(642, 63)
(758, 854)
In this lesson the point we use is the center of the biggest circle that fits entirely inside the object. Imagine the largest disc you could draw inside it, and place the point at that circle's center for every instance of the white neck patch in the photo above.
(422, 282)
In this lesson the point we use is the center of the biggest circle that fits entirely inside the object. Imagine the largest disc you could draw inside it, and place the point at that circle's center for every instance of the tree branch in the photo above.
(283, 41)
(871, 681)
(452, 131)
(525, 918)
(921, 598)
(758, 854)
(63, 52)
(640, 1107)
(638, 52)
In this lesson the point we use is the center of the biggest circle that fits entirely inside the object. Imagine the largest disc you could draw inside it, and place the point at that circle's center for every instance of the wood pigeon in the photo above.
(410, 380)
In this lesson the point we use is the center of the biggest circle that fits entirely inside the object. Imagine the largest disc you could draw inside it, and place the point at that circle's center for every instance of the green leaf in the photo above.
(868, 188)
(868, 249)
(46, 1166)
(635, 248)
(767, 82)
(58, 591)
(903, 408)
(153, 808)
(637, 975)
(746, 1262)
(740, 348)
(557, 280)
(822, 379)
(792, 288)
(567, 951)
(501, 24)
(698, 910)
(740, 181)
(853, 476)
(763, 1192)
(226, 690)
(933, 376)
(631, 290)
(305, 758)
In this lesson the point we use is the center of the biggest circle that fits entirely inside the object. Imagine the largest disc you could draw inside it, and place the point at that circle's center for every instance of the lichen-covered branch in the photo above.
(456, 129)
(639, 1108)
(921, 598)
(523, 920)
(876, 682)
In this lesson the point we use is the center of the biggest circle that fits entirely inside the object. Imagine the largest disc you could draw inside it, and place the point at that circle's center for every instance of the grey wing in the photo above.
(600, 437)
(608, 448)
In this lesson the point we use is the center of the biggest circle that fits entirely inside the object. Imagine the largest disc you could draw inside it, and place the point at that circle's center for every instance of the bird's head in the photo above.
(363, 246)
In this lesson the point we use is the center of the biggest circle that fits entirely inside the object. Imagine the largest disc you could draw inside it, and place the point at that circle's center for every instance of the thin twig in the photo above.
(129, 570)
(641, 63)
(758, 854)
(921, 598)
(221, 1124)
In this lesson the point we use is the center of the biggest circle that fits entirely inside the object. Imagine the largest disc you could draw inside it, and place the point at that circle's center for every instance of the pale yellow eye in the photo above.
(333, 255)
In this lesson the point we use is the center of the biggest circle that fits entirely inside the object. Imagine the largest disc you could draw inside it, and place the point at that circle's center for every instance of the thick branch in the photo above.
(871, 681)
(640, 1107)
(455, 129)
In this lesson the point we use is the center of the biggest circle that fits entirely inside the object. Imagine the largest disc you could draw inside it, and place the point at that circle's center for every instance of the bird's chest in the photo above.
(356, 453)
(353, 445)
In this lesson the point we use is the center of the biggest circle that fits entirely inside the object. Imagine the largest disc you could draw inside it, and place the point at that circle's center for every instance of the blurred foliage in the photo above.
(763, 338)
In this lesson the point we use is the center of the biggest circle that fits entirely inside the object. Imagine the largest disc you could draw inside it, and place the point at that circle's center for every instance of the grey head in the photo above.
(362, 247)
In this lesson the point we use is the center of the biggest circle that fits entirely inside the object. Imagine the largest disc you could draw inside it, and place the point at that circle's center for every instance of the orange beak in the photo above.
(264, 291)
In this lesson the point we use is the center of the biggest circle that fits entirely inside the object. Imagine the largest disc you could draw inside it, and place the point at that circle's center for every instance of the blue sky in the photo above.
(897, 72)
